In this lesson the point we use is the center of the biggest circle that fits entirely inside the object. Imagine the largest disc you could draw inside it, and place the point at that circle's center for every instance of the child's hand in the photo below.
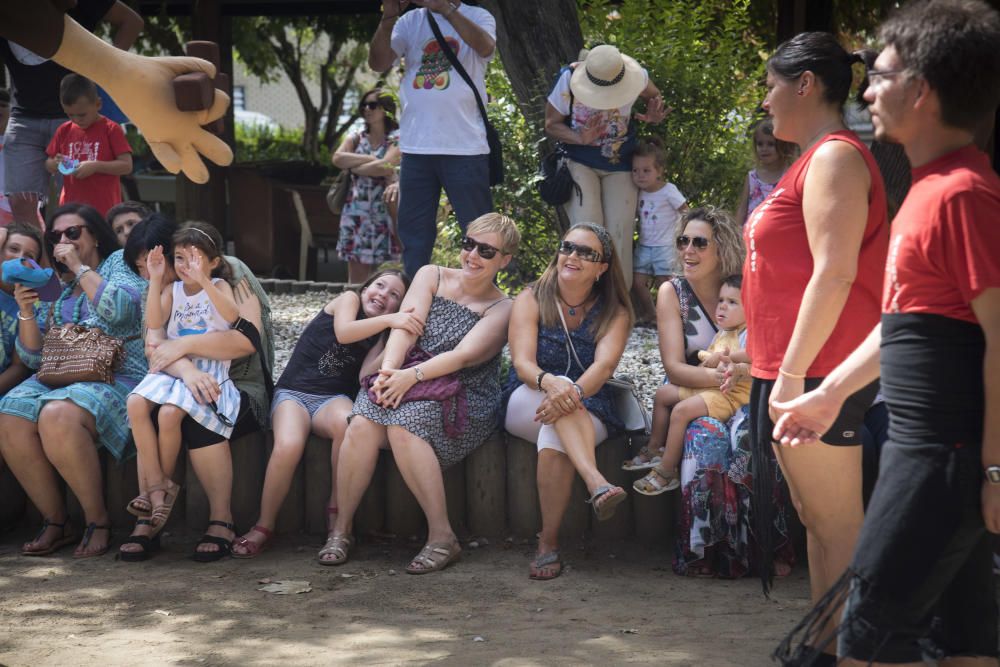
(86, 169)
(406, 320)
(26, 298)
(196, 266)
(593, 129)
(156, 265)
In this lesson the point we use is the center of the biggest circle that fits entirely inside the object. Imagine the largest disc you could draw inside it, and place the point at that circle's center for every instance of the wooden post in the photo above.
(291, 516)
(370, 517)
(454, 496)
(610, 455)
(655, 516)
(403, 516)
(195, 501)
(486, 487)
(121, 485)
(522, 488)
(317, 484)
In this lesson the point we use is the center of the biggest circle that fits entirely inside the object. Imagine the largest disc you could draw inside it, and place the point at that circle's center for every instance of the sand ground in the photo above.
(613, 605)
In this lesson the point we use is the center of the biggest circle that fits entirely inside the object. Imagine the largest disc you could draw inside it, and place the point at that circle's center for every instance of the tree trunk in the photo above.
(535, 40)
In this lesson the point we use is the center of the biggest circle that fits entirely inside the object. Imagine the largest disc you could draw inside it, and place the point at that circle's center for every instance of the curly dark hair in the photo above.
(955, 46)
(156, 229)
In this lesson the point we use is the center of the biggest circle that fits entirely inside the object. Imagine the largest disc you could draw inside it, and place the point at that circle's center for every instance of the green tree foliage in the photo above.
(708, 64)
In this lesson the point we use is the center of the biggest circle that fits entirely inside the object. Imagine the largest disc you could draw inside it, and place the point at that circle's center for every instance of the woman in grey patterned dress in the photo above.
(466, 327)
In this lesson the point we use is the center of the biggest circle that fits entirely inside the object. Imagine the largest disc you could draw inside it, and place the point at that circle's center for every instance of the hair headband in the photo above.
(602, 235)
(206, 235)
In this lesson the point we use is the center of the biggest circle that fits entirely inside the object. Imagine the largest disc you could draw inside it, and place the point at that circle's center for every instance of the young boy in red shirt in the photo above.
(89, 150)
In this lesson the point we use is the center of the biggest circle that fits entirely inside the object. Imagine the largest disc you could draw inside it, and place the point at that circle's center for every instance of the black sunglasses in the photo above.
(371, 106)
(215, 407)
(699, 242)
(72, 233)
(485, 250)
(586, 253)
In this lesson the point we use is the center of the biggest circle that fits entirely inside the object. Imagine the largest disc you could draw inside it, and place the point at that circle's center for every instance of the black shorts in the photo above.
(196, 436)
(846, 430)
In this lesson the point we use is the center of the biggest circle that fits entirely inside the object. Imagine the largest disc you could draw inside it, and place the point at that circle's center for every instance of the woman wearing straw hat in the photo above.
(590, 112)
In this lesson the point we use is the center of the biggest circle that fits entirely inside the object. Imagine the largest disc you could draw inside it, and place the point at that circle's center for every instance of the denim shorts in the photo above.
(653, 260)
(313, 403)
(24, 154)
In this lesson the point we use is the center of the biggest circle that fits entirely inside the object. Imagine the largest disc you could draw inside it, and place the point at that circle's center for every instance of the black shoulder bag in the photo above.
(554, 182)
(492, 137)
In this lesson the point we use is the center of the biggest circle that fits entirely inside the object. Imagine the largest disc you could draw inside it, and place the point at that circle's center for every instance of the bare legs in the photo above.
(63, 442)
(358, 456)
(357, 272)
(214, 467)
(156, 451)
(825, 485)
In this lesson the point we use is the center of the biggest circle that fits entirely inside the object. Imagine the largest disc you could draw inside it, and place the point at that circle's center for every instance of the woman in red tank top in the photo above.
(812, 280)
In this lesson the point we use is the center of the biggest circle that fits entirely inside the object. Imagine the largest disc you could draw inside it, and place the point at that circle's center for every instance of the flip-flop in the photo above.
(544, 561)
(605, 509)
(56, 544)
(89, 533)
(434, 557)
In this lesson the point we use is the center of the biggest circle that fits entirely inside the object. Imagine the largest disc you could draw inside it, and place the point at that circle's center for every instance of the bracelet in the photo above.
(25, 319)
(86, 269)
(579, 390)
(793, 376)
(538, 380)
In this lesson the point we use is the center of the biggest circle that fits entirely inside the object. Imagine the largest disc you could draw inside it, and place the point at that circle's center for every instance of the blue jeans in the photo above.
(466, 181)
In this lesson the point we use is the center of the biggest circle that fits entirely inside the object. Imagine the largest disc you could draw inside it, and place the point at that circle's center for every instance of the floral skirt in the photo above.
(714, 532)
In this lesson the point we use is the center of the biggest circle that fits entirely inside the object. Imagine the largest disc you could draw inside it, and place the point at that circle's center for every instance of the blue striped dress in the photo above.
(191, 316)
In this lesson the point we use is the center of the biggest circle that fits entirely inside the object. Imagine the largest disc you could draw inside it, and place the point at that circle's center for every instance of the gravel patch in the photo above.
(292, 312)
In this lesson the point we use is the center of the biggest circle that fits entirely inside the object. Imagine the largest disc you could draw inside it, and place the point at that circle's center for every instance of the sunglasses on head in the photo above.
(73, 233)
(371, 106)
(699, 242)
(586, 253)
(485, 250)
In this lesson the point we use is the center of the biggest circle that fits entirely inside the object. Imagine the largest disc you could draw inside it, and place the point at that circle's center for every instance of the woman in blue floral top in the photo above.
(45, 432)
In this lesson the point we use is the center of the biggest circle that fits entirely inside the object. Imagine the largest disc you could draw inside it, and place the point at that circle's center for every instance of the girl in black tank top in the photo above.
(316, 391)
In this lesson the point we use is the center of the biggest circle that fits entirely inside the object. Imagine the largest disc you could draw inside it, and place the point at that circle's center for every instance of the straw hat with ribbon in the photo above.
(607, 79)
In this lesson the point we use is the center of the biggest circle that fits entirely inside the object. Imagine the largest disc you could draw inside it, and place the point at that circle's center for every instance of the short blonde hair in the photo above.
(726, 233)
(498, 223)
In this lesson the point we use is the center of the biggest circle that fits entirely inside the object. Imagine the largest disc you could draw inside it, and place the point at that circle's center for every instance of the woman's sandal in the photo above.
(545, 566)
(338, 546)
(140, 506)
(644, 460)
(651, 484)
(434, 556)
(252, 549)
(53, 546)
(150, 545)
(162, 510)
(87, 534)
(605, 499)
(225, 546)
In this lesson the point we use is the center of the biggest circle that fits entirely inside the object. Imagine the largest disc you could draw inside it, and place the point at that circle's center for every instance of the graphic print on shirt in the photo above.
(891, 297)
(754, 219)
(435, 69)
(614, 129)
(84, 151)
(192, 317)
(332, 364)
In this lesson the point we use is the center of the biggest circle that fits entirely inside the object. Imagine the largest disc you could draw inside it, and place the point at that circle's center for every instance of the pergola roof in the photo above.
(262, 7)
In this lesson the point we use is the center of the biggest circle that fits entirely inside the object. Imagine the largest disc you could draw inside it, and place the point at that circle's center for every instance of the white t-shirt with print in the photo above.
(439, 114)
(614, 122)
(658, 215)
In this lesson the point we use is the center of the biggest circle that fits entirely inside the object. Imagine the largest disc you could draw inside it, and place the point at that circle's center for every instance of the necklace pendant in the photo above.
(572, 311)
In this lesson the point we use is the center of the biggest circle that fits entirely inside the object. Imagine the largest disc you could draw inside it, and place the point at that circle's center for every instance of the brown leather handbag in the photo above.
(72, 353)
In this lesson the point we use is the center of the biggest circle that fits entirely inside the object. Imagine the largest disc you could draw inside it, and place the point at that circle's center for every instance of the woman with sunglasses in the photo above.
(812, 285)
(367, 227)
(46, 431)
(455, 362)
(711, 534)
(581, 300)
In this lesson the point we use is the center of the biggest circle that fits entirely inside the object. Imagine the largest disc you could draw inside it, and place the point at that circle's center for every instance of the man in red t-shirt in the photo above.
(90, 150)
(921, 579)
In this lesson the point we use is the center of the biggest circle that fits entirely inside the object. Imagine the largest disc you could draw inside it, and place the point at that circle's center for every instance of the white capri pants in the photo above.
(520, 421)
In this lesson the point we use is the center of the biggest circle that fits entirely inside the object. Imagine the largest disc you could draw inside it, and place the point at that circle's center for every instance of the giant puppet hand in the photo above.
(143, 88)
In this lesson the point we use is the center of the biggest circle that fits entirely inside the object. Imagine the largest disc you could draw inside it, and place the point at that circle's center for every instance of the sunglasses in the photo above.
(586, 253)
(699, 242)
(371, 106)
(485, 250)
(72, 233)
